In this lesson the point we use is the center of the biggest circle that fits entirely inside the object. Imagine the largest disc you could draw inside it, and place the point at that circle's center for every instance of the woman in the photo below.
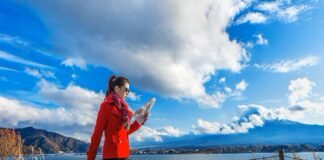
(113, 119)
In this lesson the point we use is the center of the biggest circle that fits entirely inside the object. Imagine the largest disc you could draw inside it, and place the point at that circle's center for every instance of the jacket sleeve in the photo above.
(134, 127)
(100, 125)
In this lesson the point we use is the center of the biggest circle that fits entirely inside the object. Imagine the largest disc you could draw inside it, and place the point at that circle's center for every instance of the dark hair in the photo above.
(115, 81)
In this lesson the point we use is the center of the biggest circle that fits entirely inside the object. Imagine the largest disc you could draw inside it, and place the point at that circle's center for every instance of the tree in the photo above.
(10, 144)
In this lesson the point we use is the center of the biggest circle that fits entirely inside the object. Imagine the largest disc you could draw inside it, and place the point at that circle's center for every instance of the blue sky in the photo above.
(214, 66)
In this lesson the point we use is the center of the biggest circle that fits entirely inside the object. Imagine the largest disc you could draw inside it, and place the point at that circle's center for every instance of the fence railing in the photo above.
(281, 156)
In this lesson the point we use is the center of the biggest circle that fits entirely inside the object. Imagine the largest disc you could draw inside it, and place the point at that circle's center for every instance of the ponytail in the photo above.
(115, 81)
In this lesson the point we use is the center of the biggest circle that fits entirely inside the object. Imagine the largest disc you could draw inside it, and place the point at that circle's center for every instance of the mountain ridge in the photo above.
(50, 142)
(272, 132)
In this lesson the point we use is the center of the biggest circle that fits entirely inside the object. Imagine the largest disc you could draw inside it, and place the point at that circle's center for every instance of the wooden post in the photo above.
(281, 155)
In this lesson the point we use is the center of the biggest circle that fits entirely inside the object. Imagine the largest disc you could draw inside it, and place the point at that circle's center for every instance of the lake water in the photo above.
(237, 156)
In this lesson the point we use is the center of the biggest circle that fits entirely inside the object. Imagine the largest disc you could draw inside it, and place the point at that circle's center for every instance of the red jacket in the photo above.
(109, 121)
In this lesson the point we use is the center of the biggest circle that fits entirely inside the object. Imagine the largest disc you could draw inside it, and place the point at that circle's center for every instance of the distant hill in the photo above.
(272, 132)
(51, 142)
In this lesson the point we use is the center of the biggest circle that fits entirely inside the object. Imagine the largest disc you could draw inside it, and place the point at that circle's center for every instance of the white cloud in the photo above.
(9, 57)
(13, 40)
(269, 6)
(73, 110)
(78, 62)
(14, 112)
(33, 72)
(133, 96)
(39, 73)
(251, 116)
(74, 76)
(253, 18)
(73, 96)
(222, 80)
(300, 89)
(285, 66)
(75, 106)
(221, 96)
(214, 100)
(248, 44)
(301, 109)
(261, 40)
(311, 111)
(48, 74)
(228, 89)
(236, 93)
(207, 127)
(283, 11)
(241, 86)
(189, 40)
(18, 42)
(8, 69)
(291, 14)
(304, 106)
(171, 131)
(145, 133)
